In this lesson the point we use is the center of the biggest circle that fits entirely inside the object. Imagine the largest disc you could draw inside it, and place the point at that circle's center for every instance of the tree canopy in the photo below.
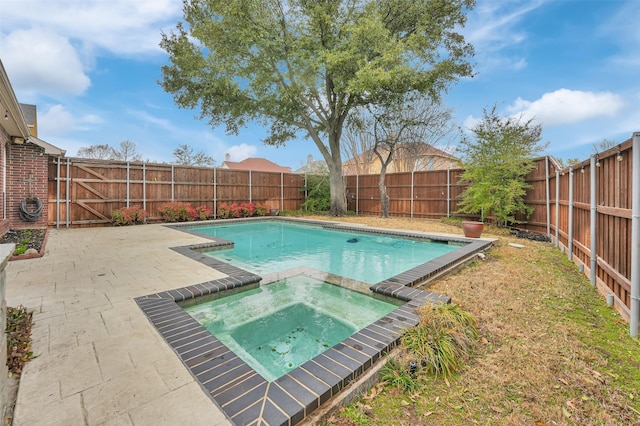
(496, 160)
(300, 67)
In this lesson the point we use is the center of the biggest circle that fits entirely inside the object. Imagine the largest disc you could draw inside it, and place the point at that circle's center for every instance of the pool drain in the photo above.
(282, 348)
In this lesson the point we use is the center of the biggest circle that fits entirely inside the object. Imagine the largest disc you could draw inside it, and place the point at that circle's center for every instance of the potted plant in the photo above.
(472, 228)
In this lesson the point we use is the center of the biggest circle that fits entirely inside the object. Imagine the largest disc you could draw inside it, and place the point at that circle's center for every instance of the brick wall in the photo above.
(4, 222)
(27, 177)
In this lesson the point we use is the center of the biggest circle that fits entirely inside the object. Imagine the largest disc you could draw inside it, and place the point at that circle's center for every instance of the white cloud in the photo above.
(42, 62)
(493, 29)
(58, 120)
(241, 152)
(565, 106)
(119, 26)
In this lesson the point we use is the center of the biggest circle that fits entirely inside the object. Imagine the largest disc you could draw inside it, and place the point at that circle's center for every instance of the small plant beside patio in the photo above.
(128, 216)
(238, 210)
(18, 332)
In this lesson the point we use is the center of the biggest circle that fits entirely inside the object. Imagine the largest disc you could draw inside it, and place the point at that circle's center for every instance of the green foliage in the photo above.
(497, 160)
(128, 216)
(356, 415)
(20, 249)
(301, 67)
(18, 332)
(396, 374)
(318, 198)
(443, 340)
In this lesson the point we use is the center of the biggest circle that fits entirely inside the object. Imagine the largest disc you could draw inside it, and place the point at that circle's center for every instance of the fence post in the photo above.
(250, 186)
(449, 192)
(412, 189)
(635, 237)
(281, 191)
(57, 194)
(593, 223)
(215, 194)
(173, 180)
(557, 207)
(144, 186)
(127, 200)
(67, 215)
(548, 194)
(570, 241)
(357, 194)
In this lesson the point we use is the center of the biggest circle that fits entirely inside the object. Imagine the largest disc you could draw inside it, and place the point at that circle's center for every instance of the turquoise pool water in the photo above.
(279, 326)
(267, 247)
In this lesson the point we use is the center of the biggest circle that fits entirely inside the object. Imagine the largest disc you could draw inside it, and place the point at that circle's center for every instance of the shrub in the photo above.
(261, 209)
(443, 339)
(318, 194)
(203, 212)
(128, 216)
(237, 210)
(178, 211)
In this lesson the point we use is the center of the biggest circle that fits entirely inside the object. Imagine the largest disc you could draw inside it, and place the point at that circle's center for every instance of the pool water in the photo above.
(279, 326)
(268, 247)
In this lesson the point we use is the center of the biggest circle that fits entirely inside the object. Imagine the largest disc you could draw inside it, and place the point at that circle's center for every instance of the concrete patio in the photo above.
(99, 360)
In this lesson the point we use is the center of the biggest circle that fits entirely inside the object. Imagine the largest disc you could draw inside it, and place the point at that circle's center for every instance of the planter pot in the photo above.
(273, 212)
(472, 229)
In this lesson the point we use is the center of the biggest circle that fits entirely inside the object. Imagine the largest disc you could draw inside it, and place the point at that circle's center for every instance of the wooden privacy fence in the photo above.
(586, 209)
(84, 192)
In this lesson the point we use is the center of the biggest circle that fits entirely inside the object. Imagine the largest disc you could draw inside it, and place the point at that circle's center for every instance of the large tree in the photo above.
(301, 66)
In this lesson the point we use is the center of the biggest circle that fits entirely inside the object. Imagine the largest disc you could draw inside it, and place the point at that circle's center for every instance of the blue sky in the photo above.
(91, 67)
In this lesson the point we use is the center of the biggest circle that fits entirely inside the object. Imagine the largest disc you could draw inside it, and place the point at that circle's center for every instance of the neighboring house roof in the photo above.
(404, 151)
(313, 167)
(256, 165)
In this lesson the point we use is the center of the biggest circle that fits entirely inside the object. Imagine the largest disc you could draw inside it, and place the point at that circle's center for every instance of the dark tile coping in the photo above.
(239, 391)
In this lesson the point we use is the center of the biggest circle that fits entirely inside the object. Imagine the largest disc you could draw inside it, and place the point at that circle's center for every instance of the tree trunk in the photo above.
(338, 193)
(384, 197)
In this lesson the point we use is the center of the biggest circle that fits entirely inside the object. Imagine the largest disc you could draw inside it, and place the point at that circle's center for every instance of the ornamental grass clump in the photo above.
(443, 340)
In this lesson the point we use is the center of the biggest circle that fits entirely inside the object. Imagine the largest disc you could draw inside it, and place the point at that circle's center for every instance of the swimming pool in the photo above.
(237, 388)
(264, 248)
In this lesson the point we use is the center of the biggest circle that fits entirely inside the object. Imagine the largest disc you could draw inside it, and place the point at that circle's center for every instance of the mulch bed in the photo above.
(29, 242)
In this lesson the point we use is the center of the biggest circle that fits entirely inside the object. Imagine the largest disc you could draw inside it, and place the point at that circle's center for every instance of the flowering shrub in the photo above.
(237, 210)
(204, 212)
(178, 212)
(128, 216)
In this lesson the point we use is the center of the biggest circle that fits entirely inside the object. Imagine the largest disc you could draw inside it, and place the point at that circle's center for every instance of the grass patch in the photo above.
(549, 352)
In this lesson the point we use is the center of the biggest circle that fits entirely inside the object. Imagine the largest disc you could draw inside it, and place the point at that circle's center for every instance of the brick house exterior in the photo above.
(24, 160)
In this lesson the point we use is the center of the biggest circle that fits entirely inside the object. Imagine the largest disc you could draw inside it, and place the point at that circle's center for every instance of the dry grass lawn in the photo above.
(551, 352)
